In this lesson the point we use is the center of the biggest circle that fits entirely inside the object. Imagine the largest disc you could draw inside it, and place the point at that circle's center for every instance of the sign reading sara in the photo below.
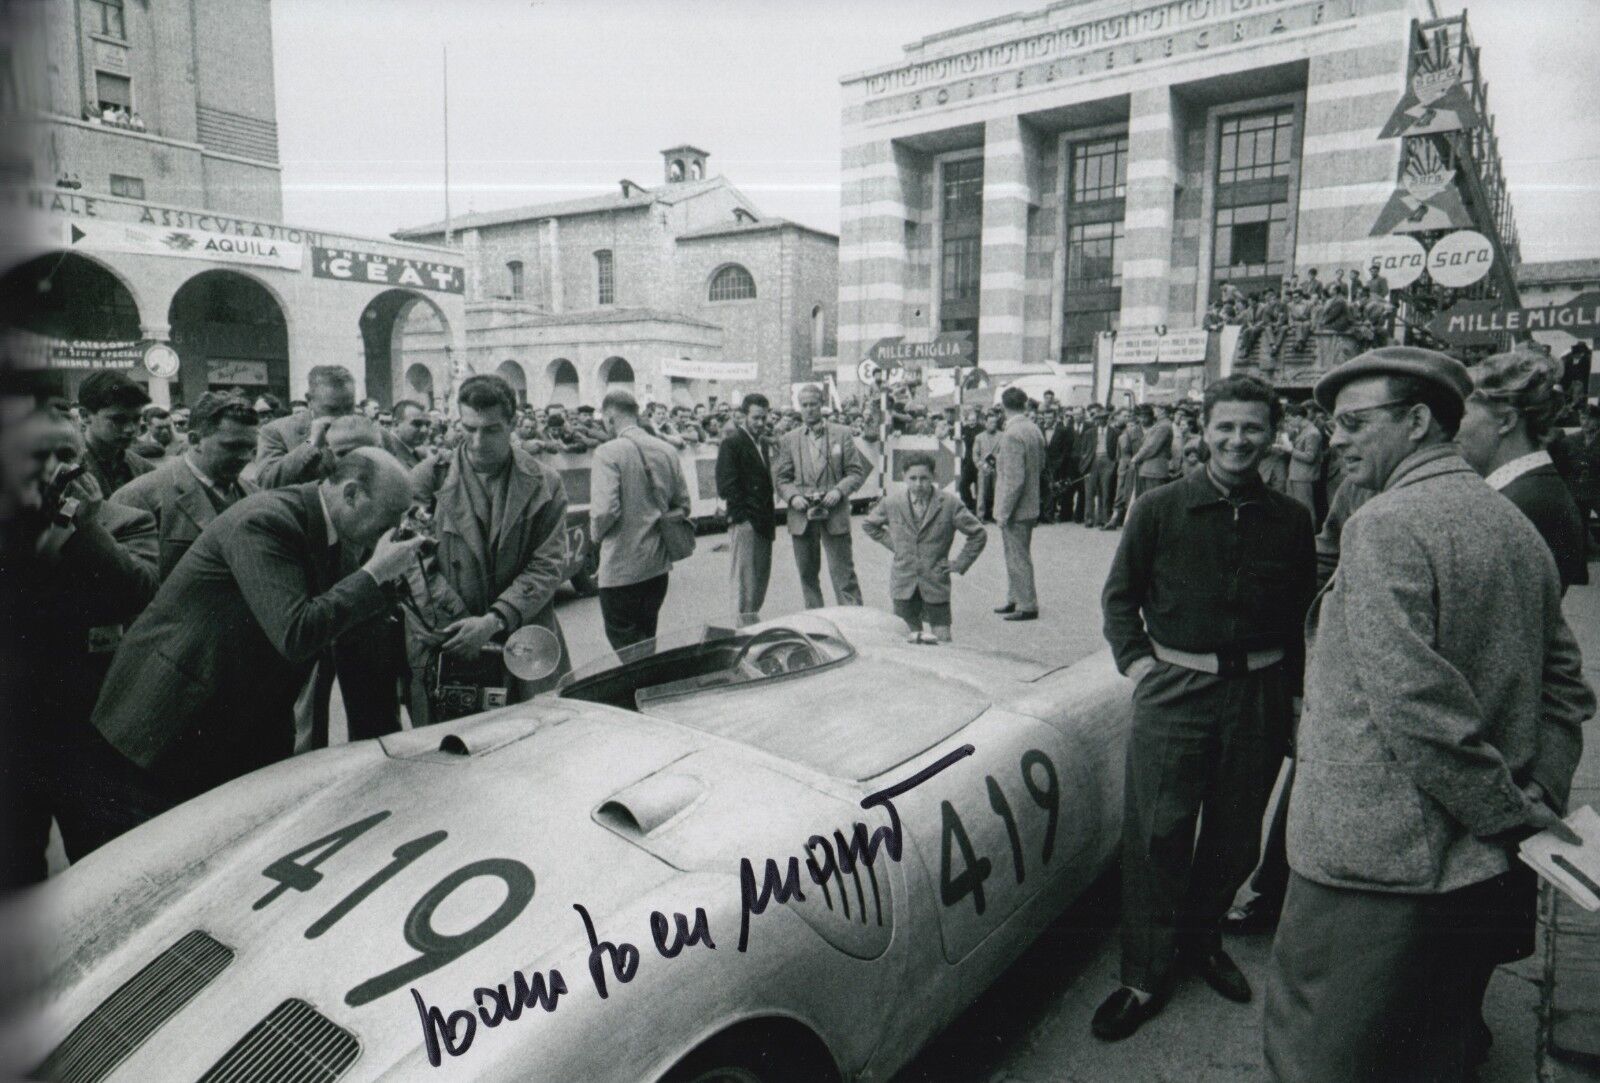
(351, 265)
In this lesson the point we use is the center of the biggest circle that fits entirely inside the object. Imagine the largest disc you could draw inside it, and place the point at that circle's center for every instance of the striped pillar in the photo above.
(1148, 213)
(1010, 187)
(1346, 172)
(878, 198)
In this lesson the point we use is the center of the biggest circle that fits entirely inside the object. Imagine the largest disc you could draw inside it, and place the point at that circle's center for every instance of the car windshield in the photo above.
(688, 661)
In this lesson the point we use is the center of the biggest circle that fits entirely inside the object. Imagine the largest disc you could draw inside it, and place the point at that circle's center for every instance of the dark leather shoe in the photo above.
(1009, 607)
(1255, 916)
(1023, 614)
(1121, 1014)
(1221, 973)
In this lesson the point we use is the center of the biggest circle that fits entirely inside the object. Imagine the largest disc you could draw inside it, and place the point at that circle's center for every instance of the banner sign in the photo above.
(947, 350)
(1426, 198)
(1400, 259)
(184, 243)
(1148, 347)
(28, 350)
(1434, 101)
(253, 373)
(1460, 258)
(685, 369)
(1476, 322)
(353, 265)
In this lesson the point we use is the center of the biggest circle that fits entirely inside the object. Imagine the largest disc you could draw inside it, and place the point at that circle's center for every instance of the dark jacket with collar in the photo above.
(1197, 573)
(1543, 497)
(1441, 679)
(202, 688)
(744, 483)
(178, 500)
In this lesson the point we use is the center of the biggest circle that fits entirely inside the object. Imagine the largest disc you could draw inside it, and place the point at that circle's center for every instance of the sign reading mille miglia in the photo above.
(1107, 43)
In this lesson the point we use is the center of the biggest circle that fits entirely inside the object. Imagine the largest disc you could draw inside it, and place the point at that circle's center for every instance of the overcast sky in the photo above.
(551, 99)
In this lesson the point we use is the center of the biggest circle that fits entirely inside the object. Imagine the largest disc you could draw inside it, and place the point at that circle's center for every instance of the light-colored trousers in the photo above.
(808, 549)
(1017, 538)
(751, 569)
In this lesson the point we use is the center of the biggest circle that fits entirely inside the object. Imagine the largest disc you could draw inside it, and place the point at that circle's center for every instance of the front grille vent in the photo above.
(295, 1042)
(128, 1017)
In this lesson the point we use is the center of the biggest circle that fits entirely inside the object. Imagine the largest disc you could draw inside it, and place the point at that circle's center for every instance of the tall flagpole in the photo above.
(447, 231)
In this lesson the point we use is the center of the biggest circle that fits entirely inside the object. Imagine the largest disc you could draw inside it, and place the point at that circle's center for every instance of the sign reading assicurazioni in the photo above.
(354, 265)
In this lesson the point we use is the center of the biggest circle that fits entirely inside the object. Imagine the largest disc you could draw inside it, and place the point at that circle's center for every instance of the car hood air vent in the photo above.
(128, 1017)
(294, 1042)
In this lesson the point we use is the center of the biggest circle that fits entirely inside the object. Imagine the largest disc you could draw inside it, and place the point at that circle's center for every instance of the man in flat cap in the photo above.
(1444, 700)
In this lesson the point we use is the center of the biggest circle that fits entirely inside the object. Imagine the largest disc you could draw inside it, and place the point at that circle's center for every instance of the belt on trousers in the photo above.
(1222, 663)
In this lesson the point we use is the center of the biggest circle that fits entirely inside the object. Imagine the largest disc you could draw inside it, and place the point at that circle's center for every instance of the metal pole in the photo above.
(447, 231)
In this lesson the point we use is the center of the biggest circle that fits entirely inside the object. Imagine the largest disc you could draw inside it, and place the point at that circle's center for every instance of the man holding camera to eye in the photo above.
(76, 569)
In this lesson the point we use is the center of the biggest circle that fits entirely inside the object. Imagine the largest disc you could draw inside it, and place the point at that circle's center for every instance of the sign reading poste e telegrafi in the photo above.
(353, 265)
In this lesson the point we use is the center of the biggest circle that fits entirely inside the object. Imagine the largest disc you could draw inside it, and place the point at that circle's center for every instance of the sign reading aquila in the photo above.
(948, 350)
(1478, 322)
(1426, 198)
(1434, 101)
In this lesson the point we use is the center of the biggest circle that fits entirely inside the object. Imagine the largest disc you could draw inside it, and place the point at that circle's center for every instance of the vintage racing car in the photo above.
(794, 850)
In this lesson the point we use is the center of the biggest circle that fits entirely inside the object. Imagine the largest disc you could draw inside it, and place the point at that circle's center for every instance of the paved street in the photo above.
(1035, 1024)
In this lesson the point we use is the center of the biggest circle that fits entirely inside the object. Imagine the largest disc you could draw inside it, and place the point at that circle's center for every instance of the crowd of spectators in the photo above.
(1286, 318)
(115, 115)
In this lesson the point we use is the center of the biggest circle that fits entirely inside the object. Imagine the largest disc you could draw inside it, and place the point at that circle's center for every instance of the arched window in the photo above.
(615, 370)
(605, 282)
(697, 171)
(819, 332)
(733, 283)
(514, 272)
(676, 172)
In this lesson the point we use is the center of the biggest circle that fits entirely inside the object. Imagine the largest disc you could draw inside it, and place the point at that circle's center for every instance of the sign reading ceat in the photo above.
(351, 265)
(947, 350)
(1473, 322)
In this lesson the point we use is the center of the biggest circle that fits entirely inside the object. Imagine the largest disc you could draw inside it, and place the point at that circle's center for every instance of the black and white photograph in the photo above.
(742, 541)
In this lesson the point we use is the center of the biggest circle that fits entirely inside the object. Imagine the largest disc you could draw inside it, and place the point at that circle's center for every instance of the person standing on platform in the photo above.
(744, 485)
(1444, 704)
(187, 492)
(111, 403)
(1203, 610)
(1016, 503)
(816, 469)
(636, 482)
(918, 525)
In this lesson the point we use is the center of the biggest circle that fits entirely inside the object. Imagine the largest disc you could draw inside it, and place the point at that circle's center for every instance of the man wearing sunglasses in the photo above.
(1444, 700)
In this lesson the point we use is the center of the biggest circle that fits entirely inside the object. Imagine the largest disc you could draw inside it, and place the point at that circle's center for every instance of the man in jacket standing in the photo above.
(1097, 462)
(744, 484)
(1152, 463)
(635, 483)
(1305, 461)
(1203, 610)
(499, 517)
(1444, 701)
(1016, 503)
(818, 466)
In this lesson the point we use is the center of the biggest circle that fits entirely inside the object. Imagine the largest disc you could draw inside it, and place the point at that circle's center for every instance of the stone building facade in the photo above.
(142, 207)
(1046, 178)
(637, 287)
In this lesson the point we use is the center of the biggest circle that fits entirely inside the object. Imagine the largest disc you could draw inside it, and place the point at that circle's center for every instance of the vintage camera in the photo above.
(815, 509)
(467, 687)
(417, 522)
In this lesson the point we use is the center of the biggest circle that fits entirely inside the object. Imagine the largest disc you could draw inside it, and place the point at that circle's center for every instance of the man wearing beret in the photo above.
(1443, 703)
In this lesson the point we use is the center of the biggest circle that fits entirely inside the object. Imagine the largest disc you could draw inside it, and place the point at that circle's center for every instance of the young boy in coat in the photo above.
(918, 524)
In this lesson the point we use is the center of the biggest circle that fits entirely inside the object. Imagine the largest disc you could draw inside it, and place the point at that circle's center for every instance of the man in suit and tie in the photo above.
(1060, 462)
(816, 469)
(1050, 431)
(295, 449)
(187, 492)
(635, 483)
(1097, 461)
(202, 689)
(499, 517)
(1016, 503)
(744, 484)
(918, 524)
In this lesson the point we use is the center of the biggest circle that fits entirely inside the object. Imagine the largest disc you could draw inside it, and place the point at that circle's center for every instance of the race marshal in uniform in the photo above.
(1203, 609)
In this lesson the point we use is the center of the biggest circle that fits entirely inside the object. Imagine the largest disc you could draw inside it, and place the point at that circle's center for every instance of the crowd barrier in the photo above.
(699, 462)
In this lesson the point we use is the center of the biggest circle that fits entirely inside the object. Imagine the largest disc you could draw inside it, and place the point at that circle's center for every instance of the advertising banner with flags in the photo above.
(1434, 101)
(1426, 198)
